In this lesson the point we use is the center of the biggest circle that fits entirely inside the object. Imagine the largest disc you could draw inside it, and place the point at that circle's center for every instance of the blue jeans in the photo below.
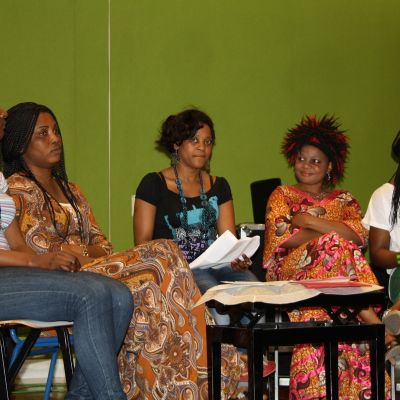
(101, 309)
(210, 277)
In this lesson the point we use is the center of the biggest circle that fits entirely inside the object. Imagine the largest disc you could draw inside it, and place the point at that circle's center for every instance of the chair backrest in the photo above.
(260, 192)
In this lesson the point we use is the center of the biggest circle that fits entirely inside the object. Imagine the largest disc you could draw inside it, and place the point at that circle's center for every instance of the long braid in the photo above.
(18, 132)
(74, 203)
(395, 198)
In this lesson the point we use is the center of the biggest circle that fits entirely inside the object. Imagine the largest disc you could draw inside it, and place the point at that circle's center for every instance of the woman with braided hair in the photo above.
(314, 231)
(50, 287)
(382, 220)
(164, 354)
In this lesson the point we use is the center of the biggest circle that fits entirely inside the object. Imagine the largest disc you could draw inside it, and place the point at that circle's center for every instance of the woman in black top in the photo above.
(184, 202)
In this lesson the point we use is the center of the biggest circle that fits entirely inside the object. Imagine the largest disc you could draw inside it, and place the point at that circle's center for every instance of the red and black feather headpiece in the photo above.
(323, 133)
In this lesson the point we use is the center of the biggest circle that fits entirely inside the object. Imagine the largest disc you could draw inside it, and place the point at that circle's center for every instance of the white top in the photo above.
(7, 212)
(378, 215)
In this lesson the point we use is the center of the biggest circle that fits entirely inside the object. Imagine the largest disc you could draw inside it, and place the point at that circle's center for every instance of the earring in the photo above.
(175, 157)
(328, 176)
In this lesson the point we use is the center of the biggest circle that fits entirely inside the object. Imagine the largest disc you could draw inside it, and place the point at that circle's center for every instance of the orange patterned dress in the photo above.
(164, 354)
(329, 255)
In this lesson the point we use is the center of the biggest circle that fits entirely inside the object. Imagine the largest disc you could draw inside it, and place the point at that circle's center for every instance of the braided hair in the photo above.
(396, 192)
(18, 133)
(323, 133)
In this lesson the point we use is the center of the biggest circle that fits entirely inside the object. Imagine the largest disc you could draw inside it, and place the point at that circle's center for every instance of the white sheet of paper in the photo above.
(226, 249)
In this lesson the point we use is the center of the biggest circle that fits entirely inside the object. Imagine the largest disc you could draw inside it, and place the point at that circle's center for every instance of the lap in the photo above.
(210, 277)
(32, 293)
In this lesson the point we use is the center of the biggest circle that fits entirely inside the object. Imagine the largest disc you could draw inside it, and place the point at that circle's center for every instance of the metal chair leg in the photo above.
(22, 355)
(4, 388)
(65, 346)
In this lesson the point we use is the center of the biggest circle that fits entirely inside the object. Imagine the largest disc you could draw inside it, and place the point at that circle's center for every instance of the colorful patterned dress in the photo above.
(164, 354)
(329, 255)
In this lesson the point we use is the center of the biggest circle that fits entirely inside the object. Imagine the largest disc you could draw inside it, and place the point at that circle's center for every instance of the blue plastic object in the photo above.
(44, 345)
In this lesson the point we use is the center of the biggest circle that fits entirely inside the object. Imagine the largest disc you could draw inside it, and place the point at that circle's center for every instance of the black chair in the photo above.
(260, 192)
(9, 369)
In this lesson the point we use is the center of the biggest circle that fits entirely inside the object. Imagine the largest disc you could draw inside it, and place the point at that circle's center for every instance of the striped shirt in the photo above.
(7, 212)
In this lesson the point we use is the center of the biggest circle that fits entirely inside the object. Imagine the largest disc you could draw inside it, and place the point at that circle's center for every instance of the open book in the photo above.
(226, 249)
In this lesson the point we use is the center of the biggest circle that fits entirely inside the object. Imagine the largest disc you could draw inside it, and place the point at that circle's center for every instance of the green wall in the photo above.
(255, 66)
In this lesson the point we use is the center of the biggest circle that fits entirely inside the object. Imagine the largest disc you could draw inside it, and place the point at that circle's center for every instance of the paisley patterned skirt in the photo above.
(164, 355)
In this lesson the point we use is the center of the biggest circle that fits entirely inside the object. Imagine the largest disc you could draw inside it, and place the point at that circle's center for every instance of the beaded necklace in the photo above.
(207, 221)
(316, 196)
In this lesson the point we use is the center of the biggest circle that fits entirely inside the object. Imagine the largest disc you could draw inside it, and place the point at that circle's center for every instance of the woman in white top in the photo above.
(383, 221)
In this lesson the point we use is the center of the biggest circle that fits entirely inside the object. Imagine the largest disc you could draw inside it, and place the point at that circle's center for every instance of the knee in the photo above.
(122, 297)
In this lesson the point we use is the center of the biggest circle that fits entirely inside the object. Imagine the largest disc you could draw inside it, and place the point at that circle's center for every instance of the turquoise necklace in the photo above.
(208, 218)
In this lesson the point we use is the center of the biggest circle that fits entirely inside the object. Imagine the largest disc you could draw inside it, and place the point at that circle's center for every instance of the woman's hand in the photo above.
(56, 260)
(72, 249)
(241, 264)
(77, 251)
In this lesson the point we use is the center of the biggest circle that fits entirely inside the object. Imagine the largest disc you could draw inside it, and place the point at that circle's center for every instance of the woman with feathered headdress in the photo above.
(314, 231)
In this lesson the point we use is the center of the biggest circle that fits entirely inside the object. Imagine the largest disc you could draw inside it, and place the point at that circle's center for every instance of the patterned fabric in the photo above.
(169, 218)
(36, 222)
(7, 212)
(327, 256)
(164, 355)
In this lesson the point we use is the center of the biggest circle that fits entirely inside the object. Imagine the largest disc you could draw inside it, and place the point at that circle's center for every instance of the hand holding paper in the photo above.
(226, 249)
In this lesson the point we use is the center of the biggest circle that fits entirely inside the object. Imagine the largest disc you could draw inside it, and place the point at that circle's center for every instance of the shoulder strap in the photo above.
(162, 177)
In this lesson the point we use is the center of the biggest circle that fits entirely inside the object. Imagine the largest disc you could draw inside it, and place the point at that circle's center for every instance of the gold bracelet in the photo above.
(85, 251)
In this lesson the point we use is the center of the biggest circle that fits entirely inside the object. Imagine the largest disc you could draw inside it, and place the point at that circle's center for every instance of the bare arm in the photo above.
(15, 239)
(21, 255)
(3, 116)
(381, 256)
(226, 220)
(322, 226)
(143, 221)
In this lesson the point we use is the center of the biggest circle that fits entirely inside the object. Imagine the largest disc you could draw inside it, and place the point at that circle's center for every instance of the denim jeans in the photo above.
(101, 309)
(213, 276)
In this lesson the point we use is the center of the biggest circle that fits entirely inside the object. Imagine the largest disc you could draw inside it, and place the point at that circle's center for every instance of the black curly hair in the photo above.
(177, 128)
(396, 192)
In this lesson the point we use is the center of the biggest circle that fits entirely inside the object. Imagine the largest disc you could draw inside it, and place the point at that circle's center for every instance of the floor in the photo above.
(24, 395)
(35, 392)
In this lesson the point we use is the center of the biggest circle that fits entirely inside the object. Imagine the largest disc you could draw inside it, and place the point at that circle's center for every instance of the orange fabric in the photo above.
(164, 354)
(329, 255)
